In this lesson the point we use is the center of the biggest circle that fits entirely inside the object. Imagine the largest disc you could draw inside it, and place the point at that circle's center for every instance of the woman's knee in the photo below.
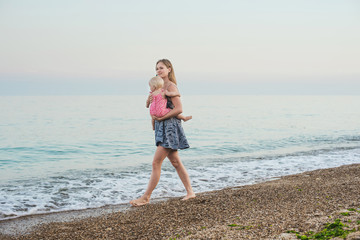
(159, 157)
(174, 159)
(175, 162)
(157, 163)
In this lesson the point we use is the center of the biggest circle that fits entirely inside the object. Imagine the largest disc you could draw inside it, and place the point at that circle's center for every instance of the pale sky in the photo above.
(217, 47)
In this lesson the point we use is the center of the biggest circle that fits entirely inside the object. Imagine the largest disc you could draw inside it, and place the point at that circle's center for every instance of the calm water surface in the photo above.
(63, 153)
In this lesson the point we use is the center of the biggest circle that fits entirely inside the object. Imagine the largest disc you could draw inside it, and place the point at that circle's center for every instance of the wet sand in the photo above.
(300, 202)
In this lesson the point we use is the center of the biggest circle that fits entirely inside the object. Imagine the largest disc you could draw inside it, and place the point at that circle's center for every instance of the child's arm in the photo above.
(149, 100)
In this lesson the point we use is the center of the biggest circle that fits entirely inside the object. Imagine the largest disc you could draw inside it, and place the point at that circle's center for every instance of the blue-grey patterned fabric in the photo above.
(170, 134)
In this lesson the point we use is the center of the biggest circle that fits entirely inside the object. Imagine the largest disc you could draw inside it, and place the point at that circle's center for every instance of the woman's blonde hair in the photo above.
(156, 82)
(171, 74)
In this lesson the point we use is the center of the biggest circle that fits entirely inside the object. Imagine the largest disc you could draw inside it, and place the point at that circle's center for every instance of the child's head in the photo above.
(156, 83)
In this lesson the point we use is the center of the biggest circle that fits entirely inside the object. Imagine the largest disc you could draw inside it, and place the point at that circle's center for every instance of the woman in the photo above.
(169, 137)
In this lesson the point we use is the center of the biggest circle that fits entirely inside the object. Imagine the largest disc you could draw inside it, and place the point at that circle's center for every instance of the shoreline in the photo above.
(264, 210)
(23, 224)
(27, 223)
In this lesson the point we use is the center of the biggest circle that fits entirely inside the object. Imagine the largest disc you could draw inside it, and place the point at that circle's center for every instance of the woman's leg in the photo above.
(159, 157)
(180, 169)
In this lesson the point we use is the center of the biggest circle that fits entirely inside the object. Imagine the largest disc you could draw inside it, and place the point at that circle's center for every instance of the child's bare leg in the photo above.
(184, 118)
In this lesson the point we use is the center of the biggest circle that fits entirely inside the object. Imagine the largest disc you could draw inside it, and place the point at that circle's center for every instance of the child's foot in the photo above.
(189, 196)
(140, 201)
(187, 118)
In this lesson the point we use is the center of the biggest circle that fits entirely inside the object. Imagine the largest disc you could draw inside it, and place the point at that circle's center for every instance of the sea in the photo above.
(60, 153)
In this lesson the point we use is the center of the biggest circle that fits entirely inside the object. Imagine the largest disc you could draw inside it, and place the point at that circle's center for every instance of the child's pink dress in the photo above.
(158, 105)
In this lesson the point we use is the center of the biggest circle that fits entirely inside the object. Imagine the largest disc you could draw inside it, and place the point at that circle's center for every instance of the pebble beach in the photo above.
(269, 210)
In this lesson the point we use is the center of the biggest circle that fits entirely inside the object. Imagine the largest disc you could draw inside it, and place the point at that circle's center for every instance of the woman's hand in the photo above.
(157, 118)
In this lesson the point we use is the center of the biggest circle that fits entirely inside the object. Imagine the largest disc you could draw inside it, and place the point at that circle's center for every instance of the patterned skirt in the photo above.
(170, 134)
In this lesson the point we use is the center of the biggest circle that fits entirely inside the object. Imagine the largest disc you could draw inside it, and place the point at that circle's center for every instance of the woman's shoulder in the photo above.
(172, 87)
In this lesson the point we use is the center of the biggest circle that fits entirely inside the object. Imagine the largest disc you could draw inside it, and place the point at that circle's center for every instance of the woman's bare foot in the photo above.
(189, 196)
(187, 118)
(140, 201)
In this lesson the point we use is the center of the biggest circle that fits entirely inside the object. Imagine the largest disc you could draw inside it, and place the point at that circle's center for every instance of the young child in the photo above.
(159, 101)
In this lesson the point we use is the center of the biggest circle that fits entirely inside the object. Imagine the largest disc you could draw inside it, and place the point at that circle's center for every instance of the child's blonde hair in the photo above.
(156, 82)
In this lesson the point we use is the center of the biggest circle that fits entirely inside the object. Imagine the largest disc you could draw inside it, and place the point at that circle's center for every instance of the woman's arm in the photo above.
(174, 112)
(177, 107)
(172, 94)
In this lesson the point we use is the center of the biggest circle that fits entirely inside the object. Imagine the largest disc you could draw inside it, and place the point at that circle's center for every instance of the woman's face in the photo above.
(162, 71)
